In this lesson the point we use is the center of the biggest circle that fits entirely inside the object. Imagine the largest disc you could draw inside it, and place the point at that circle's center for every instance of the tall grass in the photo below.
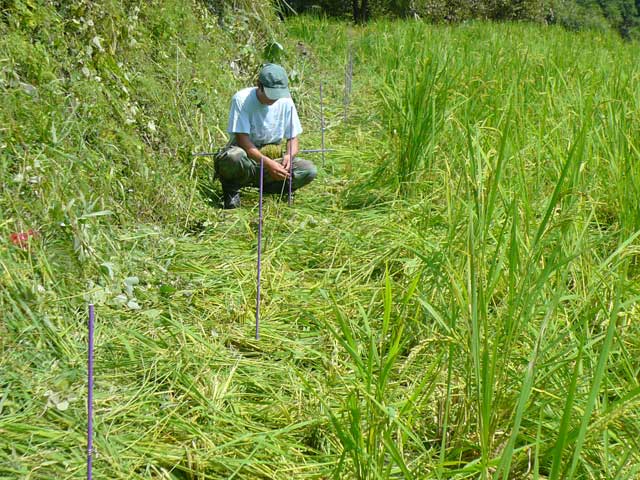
(415, 105)
(521, 163)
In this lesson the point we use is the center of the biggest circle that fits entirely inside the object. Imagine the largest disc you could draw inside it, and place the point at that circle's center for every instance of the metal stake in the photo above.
(291, 157)
(90, 397)
(313, 150)
(259, 250)
(322, 123)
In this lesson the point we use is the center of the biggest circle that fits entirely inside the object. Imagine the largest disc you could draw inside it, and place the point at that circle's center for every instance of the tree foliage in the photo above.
(623, 15)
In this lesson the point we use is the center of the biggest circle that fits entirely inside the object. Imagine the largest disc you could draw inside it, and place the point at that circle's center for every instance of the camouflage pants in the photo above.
(237, 170)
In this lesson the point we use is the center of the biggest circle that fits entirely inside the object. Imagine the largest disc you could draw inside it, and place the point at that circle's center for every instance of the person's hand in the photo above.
(286, 160)
(275, 170)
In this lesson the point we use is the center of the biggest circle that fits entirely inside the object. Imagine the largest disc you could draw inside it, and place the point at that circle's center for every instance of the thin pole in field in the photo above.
(259, 250)
(322, 122)
(90, 396)
(291, 156)
(316, 150)
(348, 75)
(312, 150)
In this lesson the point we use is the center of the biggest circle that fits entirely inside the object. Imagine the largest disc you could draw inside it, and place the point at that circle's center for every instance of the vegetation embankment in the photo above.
(454, 297)
(622, 16)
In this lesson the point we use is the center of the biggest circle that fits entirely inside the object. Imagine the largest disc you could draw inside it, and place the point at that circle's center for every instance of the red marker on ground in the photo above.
(21, 239)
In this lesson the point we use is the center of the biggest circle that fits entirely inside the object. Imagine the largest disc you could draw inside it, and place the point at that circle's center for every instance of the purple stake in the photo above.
(90, 396)
(322, 122)
(316, 150)
(259, 250)
(291, 157)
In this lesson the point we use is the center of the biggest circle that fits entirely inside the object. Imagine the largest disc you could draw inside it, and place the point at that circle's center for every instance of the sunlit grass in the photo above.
(454, 297)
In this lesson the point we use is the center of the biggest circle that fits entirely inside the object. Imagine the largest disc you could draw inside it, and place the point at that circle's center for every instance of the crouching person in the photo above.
(263, 124)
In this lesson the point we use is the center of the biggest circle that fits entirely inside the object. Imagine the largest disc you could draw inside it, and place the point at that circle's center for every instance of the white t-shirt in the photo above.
(263, 123)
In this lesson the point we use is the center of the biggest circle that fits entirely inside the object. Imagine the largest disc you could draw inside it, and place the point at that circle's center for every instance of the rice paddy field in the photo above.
(455, 296)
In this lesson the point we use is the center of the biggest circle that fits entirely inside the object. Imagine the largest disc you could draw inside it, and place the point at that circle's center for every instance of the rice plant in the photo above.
(414, 105)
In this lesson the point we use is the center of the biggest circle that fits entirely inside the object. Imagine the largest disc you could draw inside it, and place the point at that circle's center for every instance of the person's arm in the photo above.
(273, 168)
(292, 130)
(295, 148)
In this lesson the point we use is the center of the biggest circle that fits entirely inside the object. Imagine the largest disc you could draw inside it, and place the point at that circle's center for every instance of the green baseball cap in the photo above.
(274, 80)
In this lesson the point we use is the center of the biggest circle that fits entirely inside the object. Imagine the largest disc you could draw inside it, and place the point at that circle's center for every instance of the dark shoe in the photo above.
(230, 197)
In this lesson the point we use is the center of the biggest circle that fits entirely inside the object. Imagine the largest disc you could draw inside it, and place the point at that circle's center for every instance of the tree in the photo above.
(623, 15)
(360, 11)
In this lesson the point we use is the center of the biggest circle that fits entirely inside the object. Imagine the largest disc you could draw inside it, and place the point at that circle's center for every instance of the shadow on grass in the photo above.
(366, 194)
(211, 192)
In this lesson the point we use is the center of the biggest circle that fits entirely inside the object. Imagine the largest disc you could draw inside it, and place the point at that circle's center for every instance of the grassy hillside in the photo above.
(454, 297)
